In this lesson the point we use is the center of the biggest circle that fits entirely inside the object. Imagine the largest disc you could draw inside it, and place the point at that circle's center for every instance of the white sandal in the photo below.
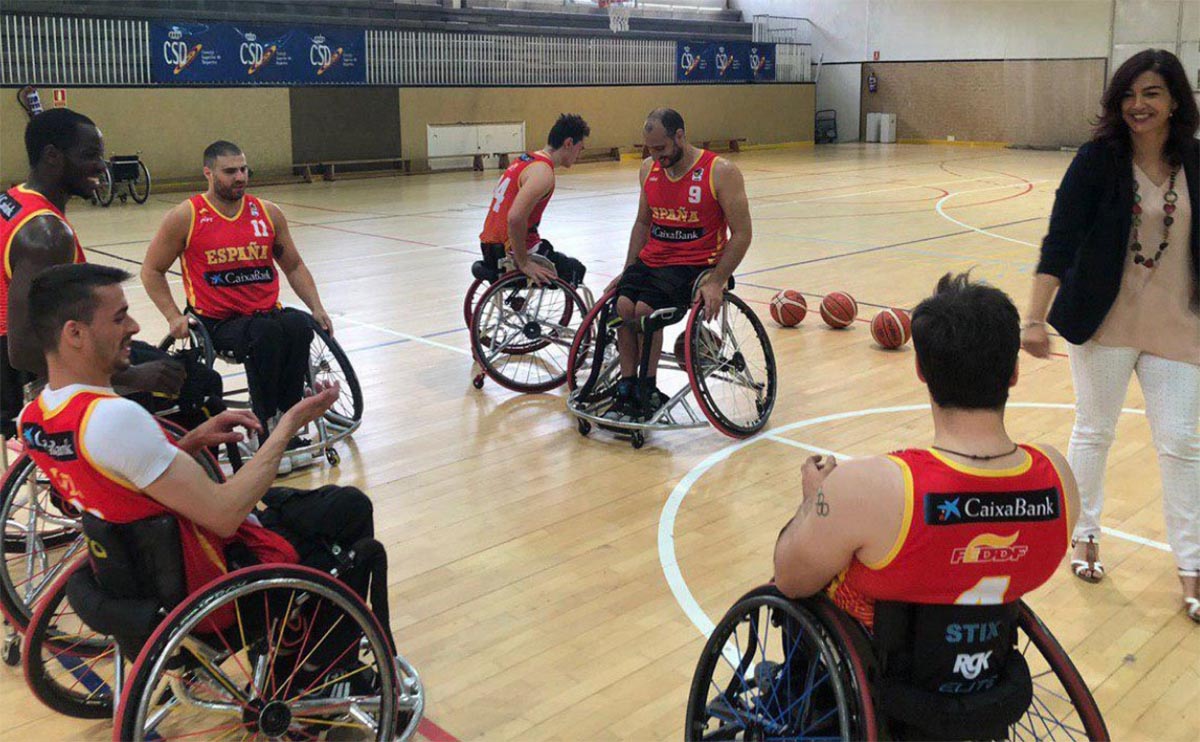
(1191, 604)
(1090, 568)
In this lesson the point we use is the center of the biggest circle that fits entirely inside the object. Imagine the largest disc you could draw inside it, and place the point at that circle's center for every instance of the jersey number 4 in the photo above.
(988, 591)
(499, 194)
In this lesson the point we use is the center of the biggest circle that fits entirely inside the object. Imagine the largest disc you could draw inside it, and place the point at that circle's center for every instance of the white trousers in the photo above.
(1172, 392)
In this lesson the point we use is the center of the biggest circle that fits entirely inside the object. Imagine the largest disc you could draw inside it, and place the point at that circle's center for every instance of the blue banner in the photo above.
(255, 54)
(724, 61)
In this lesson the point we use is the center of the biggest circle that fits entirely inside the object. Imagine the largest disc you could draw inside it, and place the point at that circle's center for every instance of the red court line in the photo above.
(432, 732)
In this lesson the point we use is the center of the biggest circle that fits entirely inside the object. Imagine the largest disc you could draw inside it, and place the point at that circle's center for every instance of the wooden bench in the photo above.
(735, 145)
(328, 168)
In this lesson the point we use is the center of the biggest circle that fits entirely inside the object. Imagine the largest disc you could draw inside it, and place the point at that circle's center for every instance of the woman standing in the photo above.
(1122, 254)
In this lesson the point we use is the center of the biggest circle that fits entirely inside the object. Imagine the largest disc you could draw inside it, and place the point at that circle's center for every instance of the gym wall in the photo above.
(1035, 102)
(170, 126)
(763, 114)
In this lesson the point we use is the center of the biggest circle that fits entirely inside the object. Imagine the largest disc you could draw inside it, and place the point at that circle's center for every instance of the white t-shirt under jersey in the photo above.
(121, 436)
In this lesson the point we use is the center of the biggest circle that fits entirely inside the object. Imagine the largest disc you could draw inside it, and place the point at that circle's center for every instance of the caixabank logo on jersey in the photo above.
(942, 509)
(239, 277)
(58, 446)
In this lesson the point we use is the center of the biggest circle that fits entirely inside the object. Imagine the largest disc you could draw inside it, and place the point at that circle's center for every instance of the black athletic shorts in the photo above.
(660, 288)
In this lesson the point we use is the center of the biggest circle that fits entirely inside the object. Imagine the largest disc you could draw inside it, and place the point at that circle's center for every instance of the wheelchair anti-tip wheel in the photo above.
(280, 651)
(521, 333)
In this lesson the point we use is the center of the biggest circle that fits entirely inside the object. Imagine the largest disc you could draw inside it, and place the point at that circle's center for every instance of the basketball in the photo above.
(891, 328)
(788, 308)
(839, 309)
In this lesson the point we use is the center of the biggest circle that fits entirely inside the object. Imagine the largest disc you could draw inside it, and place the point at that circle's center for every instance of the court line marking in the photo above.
(405, 335)
(939, 208)
(666, 522)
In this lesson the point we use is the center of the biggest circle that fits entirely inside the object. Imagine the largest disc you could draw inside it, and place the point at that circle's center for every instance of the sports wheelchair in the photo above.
(327, 362)
(775, 668)
(278, 650)
(521, 332)
(42, 533)
(728, 360)
(126, 170)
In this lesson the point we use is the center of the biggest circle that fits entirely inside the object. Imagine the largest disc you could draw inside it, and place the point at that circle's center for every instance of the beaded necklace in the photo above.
(1169, 199)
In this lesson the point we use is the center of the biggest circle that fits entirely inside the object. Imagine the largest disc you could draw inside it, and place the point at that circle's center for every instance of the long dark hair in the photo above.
(1111, 127)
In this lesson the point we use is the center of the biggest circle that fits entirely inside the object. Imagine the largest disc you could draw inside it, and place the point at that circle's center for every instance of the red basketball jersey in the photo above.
(495, 226)
(969, 536)
(17, 206)
(687, 224)
(228, 263)
(54, 440)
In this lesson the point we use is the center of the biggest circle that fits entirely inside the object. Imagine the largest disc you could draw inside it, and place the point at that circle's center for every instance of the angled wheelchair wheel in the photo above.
(105, 190)
(278, 651)
(1062, 707)
(773, 669)
(474, 291)
(42, 531)
(731, 367)
(68, 666)
(521, 334)
(197, 342)
(139, 190)
(41, 534)
(593, 349)
(327, 362)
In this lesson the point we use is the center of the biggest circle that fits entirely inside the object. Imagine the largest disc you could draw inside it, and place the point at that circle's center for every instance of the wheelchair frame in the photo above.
(330, 428)
(590, 399)
(494, 312)
(845, 655)
(124, 170)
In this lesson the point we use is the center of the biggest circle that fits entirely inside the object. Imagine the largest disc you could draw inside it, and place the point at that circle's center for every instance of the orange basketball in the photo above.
(839, 309)
(891, 328)
(788, 308)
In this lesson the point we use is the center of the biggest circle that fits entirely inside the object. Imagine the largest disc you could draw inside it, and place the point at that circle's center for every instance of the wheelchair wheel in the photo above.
(68, 666)
(105, 189)
(731, 367)
(328, 362)
(41, 534)
(582, 358)
(31, 505)
(521, 334)
(772, 670)
(197, 341)
(1063, 707)
(474, 291)
(139, 190)
(278, 650)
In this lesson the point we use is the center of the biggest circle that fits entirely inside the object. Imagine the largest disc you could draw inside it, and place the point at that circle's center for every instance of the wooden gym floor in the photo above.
(549, 586)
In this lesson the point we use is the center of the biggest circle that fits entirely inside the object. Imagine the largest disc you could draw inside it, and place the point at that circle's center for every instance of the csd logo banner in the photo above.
(228, 54)
(723, 61)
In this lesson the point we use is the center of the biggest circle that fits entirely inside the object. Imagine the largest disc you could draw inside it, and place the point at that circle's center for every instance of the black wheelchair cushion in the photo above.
(139, 560)
(950, 671)
(569, 269)
(484, 272)
(128, 620)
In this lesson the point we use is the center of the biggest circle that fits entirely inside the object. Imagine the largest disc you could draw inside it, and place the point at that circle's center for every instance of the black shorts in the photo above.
(12, 391)
(660, 288)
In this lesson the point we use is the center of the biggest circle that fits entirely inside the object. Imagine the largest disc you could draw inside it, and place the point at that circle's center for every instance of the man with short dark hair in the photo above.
(974, 519)
(693, 216)
(522, 194)
(109, 457)
(66, 158)
(229, 244)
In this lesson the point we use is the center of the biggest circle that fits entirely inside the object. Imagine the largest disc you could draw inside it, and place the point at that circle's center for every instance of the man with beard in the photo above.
(693, 216)
(228, 243)
(66, 158)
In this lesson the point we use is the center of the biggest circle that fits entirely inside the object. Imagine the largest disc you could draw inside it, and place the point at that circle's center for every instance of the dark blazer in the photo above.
(1089, 234)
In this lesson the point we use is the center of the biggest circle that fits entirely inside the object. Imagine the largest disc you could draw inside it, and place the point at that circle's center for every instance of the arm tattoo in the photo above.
(822, 505)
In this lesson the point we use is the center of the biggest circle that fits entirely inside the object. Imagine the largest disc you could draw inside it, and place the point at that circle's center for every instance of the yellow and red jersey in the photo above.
(18, 205)
(228, 262)
(495, 226)
(969, 536)
(54, 439)
(687, 223)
